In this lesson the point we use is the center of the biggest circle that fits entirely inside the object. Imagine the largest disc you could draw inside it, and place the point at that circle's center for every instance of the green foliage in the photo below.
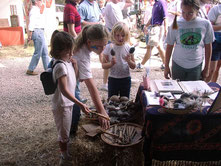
(62, 2)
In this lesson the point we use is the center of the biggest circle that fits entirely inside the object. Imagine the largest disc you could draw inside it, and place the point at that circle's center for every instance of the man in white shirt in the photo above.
(36, 33)
(113, 12)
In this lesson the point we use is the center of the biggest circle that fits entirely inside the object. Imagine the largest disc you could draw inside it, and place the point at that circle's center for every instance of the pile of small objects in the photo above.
(186, 101)
(120, 109)
(127, 134)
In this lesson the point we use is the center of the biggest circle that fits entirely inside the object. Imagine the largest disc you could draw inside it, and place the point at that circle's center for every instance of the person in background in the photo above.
(158, 18)
(36, 33)
(120, 62)
(203, 11)
(93, 38)
(174, 10)
(113, 12)
(72, 19)
(214, 16)
(146, 18)
(90, 12)
(192, 34)
(64, 96)
(102, 4)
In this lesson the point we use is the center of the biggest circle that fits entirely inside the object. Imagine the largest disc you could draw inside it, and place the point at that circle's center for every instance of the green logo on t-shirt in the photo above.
(190, 38)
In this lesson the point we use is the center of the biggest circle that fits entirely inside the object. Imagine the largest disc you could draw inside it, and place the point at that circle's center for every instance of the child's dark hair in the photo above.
(60, 41)
(122, 28)
(93, 32)
(195, 4)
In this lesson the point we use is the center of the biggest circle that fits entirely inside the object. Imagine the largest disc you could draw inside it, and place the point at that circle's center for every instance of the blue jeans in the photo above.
(76, 109)
(41, 50)
(118, 86)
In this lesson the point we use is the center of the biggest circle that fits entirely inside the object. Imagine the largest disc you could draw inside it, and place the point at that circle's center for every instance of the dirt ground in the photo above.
(27, 130)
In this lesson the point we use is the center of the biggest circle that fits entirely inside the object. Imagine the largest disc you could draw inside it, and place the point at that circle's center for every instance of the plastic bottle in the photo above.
(146, 80)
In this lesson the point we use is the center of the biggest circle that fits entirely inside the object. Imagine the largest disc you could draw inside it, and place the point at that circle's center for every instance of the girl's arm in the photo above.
(130, 60)
(208, 54)
(106, 63)
(216, 27)
(167, 72)
(97, 102)
(75, 66)
(71, 30)
(62, 83)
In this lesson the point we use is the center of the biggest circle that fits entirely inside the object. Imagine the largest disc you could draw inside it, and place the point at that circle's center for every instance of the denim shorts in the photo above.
(216, 53)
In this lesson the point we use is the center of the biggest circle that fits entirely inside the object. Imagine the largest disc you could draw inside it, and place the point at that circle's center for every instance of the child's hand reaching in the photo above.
(84, 108)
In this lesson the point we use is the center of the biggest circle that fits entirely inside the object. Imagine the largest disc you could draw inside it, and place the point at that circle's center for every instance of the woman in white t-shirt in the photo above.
(193, 33)
(93, 38)
(64, 96)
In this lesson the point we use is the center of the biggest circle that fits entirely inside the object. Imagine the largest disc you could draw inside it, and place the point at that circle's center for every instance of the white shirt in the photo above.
(84, 63)
(113, 13)
(214, 15)
(36, 19)
(174, 6)
(148, 13)
(60, 70)
(189, 41)
(121, 68)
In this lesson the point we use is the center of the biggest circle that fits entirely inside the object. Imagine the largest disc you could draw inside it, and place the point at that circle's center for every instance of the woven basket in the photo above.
(111, 140)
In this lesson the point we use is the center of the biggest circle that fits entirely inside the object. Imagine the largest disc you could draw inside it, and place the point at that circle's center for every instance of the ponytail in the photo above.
(93, 32)
(81, 38)
(175, 26)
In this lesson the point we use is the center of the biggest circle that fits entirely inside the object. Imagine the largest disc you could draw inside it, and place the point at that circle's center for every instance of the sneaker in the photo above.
(104, 87)
(29, 72)
(162, 67)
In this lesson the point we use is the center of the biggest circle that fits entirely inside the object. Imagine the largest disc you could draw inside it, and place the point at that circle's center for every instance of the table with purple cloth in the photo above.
(195, 136)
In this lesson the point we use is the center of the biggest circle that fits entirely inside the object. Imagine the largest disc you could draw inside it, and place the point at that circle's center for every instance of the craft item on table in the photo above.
(168, 86)
(93, 129)
(100, 115)
(186, 103)
(129, 134)
(120, 109)
(152, 98)
(195, 86)
(168, 95)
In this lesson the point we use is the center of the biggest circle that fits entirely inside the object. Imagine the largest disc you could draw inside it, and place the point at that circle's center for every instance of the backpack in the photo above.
(48, 83)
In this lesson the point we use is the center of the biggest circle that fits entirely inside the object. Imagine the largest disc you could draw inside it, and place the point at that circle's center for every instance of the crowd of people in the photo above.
(190, 30)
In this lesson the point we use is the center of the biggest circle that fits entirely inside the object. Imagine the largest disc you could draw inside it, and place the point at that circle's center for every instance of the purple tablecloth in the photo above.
(195, 136)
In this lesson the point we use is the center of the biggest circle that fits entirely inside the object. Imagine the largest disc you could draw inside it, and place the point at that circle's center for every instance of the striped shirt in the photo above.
(71, 16)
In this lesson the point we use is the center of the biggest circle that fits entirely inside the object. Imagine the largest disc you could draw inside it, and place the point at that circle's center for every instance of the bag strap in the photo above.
(58, 61)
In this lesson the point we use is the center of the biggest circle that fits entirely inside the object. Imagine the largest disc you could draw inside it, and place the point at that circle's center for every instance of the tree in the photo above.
(62, 2)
